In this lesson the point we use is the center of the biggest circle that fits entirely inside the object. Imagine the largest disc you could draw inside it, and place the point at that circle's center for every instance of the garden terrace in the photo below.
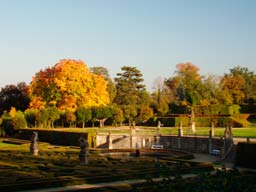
(59, 166)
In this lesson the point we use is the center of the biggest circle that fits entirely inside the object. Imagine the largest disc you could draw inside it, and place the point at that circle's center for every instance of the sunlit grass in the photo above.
(141, 130)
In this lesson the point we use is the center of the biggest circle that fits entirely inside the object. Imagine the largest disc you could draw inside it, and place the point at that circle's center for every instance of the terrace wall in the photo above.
(191, 144)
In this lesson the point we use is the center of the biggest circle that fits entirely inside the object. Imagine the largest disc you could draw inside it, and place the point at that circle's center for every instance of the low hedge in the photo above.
(58, 137)
(245, 155)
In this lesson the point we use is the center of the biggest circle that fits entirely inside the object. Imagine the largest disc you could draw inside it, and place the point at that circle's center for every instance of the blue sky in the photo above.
(153, 35)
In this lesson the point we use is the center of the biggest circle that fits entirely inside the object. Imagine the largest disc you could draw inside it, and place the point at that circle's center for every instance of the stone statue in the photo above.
(34, 144)
(158, 128)
(84, 153)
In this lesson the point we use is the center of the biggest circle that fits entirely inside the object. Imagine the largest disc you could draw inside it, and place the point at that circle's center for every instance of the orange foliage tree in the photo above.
(68, 85)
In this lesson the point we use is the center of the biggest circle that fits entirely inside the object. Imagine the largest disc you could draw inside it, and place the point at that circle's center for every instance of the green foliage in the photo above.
(102, 113)
(48, 116)
(130, 112)
(32, 117)
(129, 86)
(118, 116)
(19, 121)
(13, 121)
(84, 115)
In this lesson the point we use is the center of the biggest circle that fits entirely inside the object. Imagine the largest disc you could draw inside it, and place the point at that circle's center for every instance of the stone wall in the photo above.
(191, 144)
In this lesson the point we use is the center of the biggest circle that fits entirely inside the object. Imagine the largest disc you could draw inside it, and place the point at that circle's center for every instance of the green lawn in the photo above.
(6, 145)
(200, 131)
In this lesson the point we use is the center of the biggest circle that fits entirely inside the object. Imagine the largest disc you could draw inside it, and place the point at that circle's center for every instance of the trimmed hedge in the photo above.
(246, 155)
(200, 121)
(58, 137)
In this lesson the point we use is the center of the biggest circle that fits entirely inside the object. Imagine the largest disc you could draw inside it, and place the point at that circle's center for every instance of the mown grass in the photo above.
(142, 130)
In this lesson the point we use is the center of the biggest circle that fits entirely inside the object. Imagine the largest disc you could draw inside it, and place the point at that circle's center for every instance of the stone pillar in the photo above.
(158, 133)
(210, 141)
(34, 144)
(180, 134)
(131, 138)
(192, 126)
(180, 130)
(110, 140)
(212, 129)
(84, 153)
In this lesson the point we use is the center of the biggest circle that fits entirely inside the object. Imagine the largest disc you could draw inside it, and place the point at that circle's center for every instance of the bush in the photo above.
(58, 137)
(245, 155)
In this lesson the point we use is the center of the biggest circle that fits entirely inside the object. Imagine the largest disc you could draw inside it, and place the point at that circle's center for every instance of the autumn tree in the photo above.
(14, 96)
(111, 88)
(188, 87)
(67, 85)
(144, 113)
(187, 84)
(232, 89)
(70, 117)
(249, 87)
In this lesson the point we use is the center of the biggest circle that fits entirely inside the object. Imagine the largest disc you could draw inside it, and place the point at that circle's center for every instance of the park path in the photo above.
(100, 185)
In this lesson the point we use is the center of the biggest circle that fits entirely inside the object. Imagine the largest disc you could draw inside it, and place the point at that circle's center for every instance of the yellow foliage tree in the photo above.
(68, 85)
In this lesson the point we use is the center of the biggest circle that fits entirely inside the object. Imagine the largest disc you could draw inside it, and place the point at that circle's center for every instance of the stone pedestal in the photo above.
(192, 126)
(110, 140)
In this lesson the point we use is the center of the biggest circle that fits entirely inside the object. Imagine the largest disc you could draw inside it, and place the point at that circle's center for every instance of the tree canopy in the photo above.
(68, 85)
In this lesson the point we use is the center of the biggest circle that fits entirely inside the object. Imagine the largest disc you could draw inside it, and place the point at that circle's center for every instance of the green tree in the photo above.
(118, 116)
(187, 85)
(12, 121)
(161, 97)
(101, 114)
(130, 87)
(32, 117)
(84, 115)
(130, 113)
(131, 92)
(47, 116)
